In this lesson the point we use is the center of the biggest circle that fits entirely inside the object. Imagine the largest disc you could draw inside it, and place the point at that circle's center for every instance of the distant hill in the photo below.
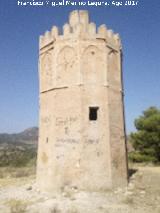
(19, 149)
(28, 136)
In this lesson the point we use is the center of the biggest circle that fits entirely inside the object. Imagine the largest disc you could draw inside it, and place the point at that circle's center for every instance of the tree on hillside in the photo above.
(146, 141)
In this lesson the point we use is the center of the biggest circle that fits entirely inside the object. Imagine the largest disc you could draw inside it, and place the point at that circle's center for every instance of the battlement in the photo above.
(79, 26)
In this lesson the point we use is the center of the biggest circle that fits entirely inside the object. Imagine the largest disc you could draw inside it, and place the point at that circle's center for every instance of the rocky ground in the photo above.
(18, 194)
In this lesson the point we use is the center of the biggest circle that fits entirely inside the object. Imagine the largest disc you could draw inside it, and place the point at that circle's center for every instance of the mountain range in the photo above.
(28, 136)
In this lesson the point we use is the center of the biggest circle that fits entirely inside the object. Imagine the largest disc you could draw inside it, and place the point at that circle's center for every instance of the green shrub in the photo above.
(146, 141)
(137, 157)
(17, 157)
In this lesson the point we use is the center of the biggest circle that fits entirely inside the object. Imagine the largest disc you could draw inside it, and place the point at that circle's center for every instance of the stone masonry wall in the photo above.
(82, 134)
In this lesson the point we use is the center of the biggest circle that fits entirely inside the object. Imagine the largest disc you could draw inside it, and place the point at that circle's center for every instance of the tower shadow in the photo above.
(131, 172)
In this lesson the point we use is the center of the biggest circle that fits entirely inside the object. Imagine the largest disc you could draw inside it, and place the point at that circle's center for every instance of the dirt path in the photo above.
(19, 195)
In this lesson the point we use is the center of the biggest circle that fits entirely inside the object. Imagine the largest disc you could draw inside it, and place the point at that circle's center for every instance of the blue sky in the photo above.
(20, 27)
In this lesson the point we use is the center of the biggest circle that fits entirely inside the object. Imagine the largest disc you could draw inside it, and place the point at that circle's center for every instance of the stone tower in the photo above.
(82, 134)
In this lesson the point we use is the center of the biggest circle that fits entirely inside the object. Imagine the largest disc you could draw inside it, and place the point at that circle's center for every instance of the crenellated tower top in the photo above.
(80, 27)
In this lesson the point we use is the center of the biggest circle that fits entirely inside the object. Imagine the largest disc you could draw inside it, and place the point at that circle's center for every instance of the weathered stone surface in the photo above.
(82, 135)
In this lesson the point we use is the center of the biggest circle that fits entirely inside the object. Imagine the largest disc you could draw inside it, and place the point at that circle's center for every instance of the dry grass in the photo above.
(128, 201)
(55, 210)
(17, 206)
(9, 175)
(73, 210)
(14, 172)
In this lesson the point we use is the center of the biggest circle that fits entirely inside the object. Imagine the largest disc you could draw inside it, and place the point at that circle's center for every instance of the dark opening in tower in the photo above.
(93, 113)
